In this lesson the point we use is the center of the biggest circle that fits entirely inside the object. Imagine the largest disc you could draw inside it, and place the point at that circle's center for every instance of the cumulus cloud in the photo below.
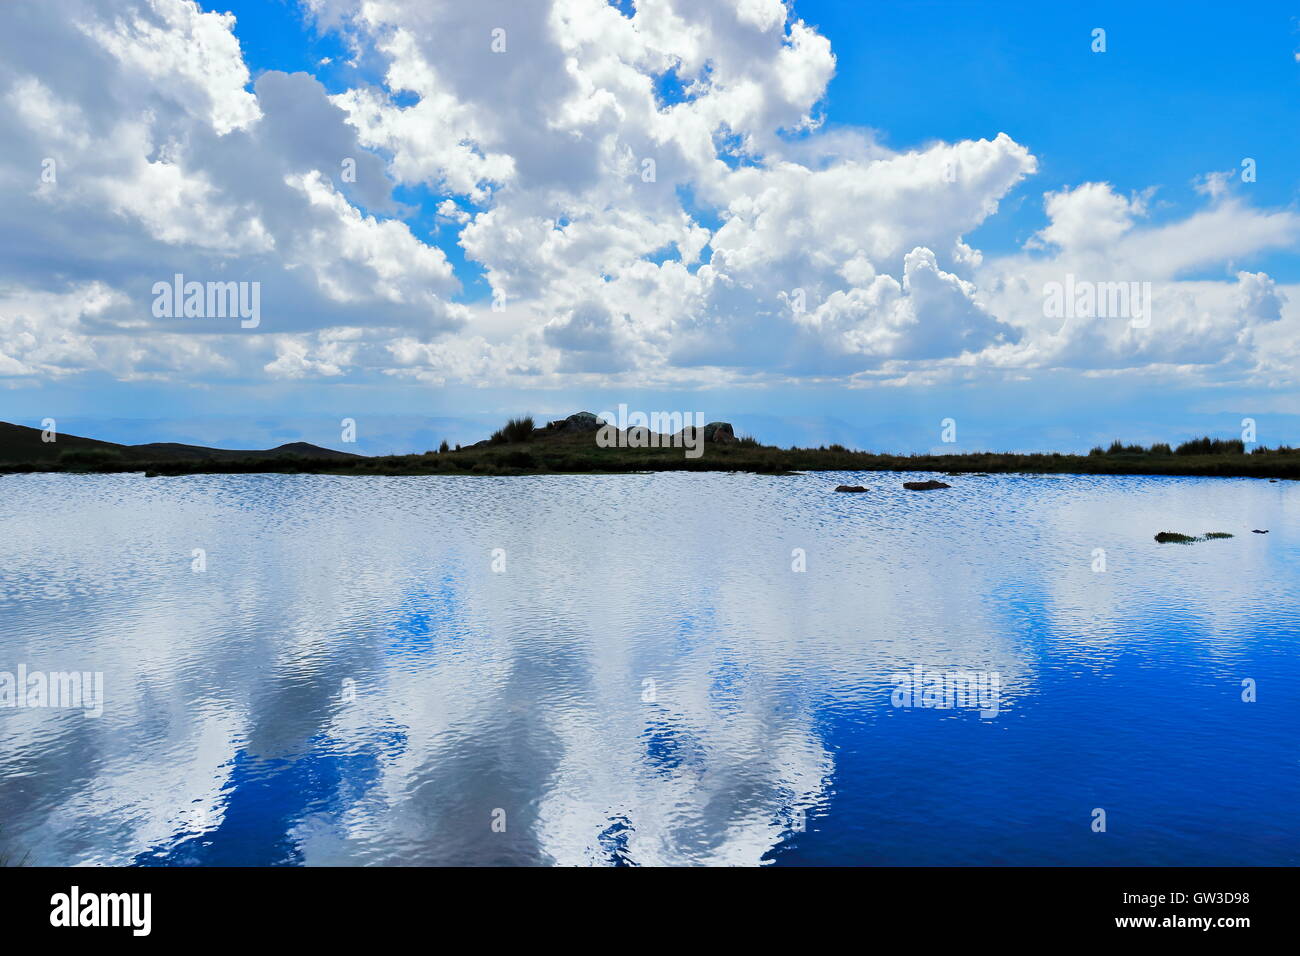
(151, 158)
(649, 195)
(192, 55)
(1089, 218)
(1095, 239)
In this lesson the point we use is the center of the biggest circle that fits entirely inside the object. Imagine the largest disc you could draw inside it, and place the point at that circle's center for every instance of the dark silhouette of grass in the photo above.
(90, 456)
(1211, 446)
(520, 448)
(1174, 537)
(514, 430)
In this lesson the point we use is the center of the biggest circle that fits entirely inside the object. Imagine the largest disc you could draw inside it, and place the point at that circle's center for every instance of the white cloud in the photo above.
(649, 194)
(1095, 237)
(192, 54)
(1089, 217)
(151, 159)
(357, 258)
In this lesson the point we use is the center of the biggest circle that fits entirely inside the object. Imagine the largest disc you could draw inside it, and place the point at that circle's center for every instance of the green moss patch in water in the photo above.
(1174, 537)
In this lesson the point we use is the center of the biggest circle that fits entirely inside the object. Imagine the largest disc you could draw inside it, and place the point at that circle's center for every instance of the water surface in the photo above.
(628, 669)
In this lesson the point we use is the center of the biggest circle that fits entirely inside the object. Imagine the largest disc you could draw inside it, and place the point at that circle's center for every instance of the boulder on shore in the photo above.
(577, 422)
(925, 485)
(852, 488)
(720, 432)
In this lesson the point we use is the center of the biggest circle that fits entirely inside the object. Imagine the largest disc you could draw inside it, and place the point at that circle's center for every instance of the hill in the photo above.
(20, 445)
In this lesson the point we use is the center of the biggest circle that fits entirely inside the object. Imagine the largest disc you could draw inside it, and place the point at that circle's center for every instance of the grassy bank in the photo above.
(515, 452)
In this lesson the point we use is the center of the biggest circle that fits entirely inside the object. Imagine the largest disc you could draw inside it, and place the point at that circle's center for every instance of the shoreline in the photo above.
(775, 462)
(580, 445)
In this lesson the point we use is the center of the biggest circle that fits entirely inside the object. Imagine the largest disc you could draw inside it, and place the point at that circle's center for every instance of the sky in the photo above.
(820, 220)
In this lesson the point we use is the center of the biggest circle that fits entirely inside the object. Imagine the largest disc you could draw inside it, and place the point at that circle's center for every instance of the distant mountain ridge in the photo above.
(21, 444)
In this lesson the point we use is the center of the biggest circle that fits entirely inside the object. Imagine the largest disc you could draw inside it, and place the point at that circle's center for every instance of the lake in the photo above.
(649, 669)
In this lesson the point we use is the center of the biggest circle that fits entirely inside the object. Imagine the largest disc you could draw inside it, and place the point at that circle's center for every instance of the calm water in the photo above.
(647, 680)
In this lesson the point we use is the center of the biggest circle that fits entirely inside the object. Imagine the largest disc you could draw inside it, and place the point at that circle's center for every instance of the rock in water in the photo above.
(852, 488)
(1257, 531)
(925, 485)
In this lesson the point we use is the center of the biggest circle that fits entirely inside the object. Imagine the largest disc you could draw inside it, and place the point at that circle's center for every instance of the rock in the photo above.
(577, 422)
(720, 432)
(1257, 531)
(925, 485)
(853, 488)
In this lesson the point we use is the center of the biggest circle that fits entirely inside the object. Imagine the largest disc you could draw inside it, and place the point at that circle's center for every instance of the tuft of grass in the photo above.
(514, 430)
(1212, 535)
(1211, 446)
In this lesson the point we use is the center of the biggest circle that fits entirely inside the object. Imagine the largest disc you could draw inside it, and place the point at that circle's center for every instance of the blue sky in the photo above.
(828, 122)
(1182, 89)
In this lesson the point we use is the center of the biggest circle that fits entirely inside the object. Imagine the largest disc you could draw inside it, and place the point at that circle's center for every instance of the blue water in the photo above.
(644, 678)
